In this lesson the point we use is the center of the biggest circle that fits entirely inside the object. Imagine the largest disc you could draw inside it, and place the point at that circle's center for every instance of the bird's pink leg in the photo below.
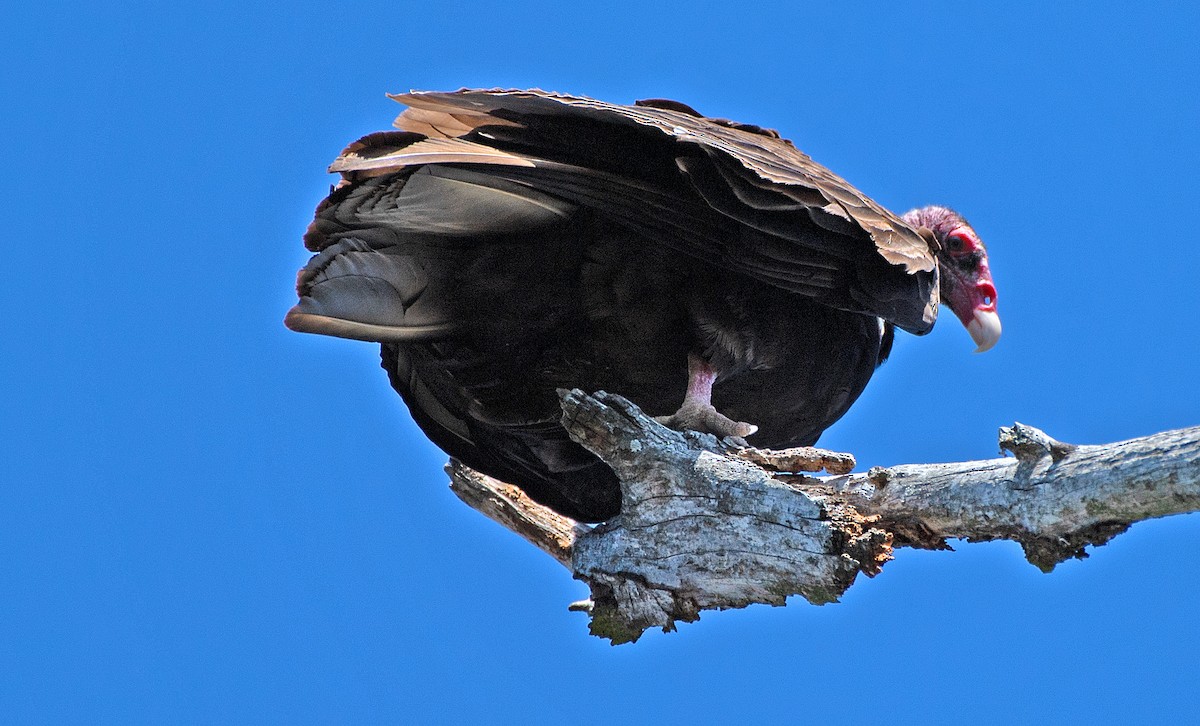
(697, 412)
(701, 376)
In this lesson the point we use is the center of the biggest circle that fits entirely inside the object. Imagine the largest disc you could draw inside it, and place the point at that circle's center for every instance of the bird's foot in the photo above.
(703, 417)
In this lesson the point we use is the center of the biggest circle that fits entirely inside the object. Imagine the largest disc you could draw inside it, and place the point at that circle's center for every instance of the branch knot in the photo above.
(1031, 444)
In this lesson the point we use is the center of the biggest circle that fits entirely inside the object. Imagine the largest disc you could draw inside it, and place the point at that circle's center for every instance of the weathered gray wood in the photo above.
(1054, 505)
(702, 527)
(507, 505)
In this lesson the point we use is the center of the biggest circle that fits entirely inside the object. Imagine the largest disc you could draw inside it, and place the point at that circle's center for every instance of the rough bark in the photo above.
(706, 525)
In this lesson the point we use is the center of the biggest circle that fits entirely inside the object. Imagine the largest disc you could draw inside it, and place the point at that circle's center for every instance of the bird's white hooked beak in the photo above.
(984, 329)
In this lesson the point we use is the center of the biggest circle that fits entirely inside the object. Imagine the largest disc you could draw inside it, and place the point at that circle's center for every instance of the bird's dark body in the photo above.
(584, 303)
(492, 285)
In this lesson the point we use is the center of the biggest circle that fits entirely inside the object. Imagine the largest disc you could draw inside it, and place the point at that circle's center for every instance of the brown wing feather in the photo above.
(436, 121)
(775, 160)
(795, 224)
(386, 158)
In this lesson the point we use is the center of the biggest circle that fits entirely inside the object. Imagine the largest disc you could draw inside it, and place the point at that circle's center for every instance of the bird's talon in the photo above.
(706, 419)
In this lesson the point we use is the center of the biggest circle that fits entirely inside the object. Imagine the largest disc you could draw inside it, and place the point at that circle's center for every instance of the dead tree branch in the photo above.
(705, 525)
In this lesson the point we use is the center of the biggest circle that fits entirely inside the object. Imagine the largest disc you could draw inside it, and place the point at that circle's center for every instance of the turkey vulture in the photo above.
(505, 244)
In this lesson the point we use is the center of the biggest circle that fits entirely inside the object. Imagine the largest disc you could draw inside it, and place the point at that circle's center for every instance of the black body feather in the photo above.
(597, 252)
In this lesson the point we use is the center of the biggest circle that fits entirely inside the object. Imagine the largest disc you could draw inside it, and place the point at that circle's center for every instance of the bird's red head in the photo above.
(966, 282)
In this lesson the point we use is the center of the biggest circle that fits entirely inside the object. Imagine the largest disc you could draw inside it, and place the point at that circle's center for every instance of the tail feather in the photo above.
(353, 291)
(394, 251)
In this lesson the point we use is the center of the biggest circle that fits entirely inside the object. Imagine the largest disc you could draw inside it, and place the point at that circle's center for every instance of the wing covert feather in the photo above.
(742, 197)
(773, 159)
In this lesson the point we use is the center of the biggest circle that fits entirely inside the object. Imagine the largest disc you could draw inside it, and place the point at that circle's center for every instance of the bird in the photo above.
(501, 245)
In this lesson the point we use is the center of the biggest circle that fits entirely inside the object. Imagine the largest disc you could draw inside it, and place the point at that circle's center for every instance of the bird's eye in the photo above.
(957, 243)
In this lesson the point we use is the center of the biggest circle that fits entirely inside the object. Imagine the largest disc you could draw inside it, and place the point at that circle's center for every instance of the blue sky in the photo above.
(206, 518)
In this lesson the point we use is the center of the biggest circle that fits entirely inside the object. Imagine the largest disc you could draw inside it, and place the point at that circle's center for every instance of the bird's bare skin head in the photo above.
(966, 281)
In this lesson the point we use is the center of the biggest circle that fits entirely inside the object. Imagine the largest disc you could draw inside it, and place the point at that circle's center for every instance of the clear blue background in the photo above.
(206, 518)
